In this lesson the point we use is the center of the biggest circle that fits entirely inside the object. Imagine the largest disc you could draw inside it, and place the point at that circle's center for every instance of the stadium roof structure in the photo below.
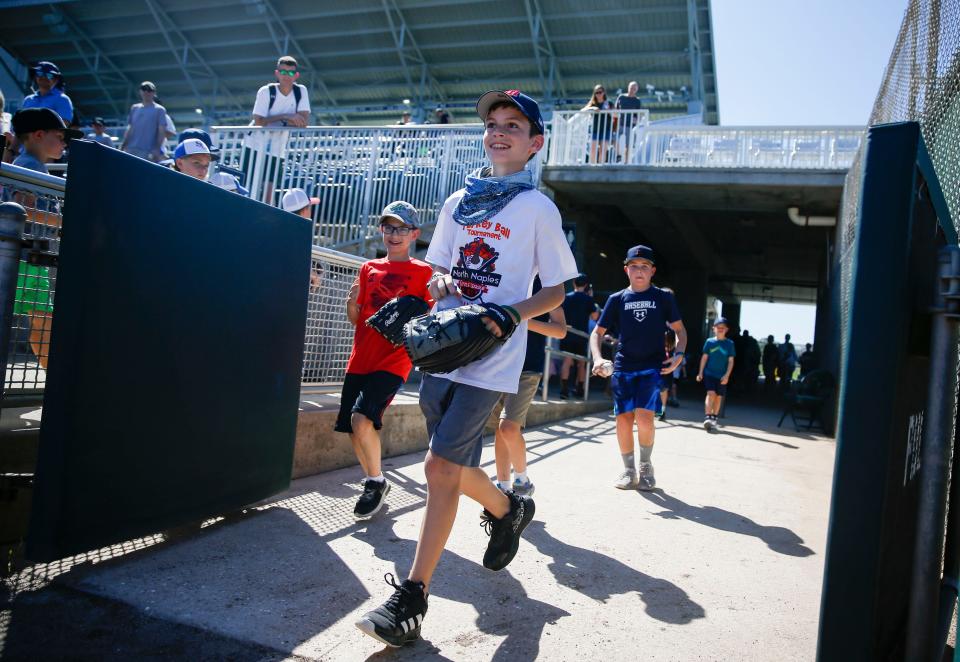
(361, 59)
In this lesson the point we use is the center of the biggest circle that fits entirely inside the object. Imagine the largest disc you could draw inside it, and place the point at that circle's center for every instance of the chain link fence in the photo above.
(42, 197)
(921, 84)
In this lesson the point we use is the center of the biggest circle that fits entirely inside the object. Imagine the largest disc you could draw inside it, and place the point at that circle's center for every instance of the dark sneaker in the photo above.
(374, 493)
(646, 482)
(505, 532)
(662, 416)
(579, 391)
(564, 395)
(397, 621)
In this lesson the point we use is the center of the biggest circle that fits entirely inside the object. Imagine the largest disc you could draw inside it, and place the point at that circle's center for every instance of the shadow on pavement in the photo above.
(777, 538)
(600, 577)
(503, 607)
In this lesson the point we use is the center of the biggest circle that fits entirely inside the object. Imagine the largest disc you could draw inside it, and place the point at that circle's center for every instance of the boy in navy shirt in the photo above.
(716, 364)
(637, 316)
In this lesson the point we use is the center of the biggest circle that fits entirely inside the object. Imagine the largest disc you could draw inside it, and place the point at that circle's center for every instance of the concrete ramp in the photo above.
(724, 561)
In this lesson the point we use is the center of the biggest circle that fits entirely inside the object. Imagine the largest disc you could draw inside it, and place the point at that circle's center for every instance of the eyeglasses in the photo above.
(287, 72)
(401, 230)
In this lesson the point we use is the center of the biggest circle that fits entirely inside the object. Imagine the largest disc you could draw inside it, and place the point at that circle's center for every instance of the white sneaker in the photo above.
(627, 480)
(523, 488)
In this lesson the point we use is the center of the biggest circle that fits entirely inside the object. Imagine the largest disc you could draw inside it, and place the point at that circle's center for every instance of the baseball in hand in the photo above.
(603, 369)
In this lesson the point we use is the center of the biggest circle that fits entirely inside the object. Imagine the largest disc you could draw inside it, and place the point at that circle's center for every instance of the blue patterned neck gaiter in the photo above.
(486, 196)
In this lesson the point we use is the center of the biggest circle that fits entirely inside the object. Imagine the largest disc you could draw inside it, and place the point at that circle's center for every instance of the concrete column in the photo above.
(690, 287)
(731, 310)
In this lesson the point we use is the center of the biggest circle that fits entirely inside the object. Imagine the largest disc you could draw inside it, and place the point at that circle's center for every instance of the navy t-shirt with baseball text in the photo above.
(639, 320)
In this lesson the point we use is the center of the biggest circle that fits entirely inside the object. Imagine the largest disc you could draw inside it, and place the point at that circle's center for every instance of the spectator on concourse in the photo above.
(49, 91)
(146, 126)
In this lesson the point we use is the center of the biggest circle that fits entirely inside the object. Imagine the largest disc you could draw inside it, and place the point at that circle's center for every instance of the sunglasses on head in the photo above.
(285, 72)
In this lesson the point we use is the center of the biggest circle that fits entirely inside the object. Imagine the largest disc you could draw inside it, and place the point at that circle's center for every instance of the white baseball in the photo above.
(605, 369)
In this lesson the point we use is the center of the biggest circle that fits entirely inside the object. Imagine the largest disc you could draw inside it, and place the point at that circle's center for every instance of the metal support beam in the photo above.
(544, 54)
(168, 28)
(317, 84)
(411, 57)
(693, 49)
(77, 34)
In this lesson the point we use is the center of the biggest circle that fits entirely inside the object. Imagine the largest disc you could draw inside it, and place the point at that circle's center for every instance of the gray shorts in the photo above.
(456, 414)
(516, 405)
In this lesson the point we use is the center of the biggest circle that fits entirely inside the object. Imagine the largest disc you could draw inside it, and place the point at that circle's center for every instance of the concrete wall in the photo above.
(319, 448)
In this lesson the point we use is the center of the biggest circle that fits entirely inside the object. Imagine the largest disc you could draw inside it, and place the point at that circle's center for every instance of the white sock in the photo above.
(504, 484)
(520, 476)
(380, 478)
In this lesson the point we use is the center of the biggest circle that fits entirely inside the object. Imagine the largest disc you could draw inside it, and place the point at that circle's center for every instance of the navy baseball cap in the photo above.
(403, 212)
(721, 320)
(28, 120)
(581, 280)
(640, 252)
(203, 137)
(526, 105)
(45, 68)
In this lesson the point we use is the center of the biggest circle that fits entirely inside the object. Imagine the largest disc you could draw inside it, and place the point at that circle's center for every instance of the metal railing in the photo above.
(608, 138)
(42, 196)
(550, 353)
(595, 137)
(354, 171)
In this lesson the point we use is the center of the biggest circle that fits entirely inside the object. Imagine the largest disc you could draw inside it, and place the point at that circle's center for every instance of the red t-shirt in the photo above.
(381, 280)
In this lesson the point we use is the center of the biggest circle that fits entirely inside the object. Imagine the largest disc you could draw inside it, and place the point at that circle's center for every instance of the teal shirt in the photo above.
(718, 352)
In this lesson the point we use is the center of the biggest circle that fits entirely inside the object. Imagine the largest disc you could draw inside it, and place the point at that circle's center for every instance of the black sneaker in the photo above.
(374, 493)
(505, 532)
(397, 621)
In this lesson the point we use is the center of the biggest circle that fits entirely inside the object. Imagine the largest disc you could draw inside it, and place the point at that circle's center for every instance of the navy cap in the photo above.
(99, 120)
(45, 68)
(581, 280)
(525, 104)
(202, 136)
(640, 252)
(28, 120)
(721, 320)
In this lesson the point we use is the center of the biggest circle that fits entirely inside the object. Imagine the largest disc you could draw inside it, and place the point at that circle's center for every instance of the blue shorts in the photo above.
(456, 414)
(635, 390)
(713, 384)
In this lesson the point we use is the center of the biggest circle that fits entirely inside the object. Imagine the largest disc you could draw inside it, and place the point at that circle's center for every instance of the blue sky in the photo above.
(790, 62)
(802, 62)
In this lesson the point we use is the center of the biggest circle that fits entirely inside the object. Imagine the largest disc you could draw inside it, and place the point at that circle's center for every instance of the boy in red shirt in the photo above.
(376, 369)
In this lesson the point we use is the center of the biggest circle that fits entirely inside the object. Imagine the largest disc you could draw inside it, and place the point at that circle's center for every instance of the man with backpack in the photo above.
(280, 105)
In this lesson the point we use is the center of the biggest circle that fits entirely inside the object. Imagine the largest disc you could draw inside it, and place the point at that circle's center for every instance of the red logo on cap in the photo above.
(513, 93)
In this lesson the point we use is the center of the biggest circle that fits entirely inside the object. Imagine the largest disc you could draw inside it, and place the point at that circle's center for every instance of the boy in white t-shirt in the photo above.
(281, 105)
(491, 239)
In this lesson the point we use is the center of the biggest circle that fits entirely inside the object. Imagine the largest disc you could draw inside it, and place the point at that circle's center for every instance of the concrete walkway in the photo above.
(723, 561)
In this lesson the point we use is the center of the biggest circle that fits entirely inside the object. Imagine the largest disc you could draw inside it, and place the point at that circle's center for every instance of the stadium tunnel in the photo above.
(737, 235)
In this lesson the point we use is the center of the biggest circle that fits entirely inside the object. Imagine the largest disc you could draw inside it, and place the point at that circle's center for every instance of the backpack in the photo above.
(272, 89)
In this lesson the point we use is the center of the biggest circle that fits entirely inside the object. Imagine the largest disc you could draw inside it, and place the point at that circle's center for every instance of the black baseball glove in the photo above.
(394, 314)
(450, 339)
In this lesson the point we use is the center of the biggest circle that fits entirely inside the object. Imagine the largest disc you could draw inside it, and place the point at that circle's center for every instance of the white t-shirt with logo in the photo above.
(495, 262)
(274, 142)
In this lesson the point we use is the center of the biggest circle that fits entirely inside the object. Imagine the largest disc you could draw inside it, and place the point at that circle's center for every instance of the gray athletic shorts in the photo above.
(516, 405)
(456, 414)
